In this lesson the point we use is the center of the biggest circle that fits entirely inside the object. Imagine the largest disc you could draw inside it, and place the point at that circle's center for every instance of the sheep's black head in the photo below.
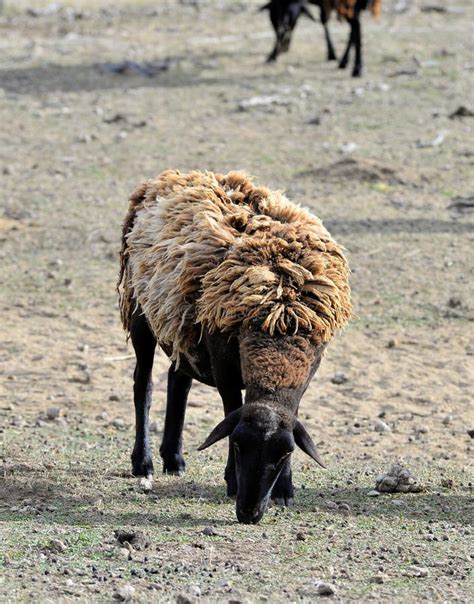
(284, 15)
(263, 439)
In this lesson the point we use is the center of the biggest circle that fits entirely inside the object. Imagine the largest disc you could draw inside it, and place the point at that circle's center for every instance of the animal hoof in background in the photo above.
(146, 483)
(332, 57)
(272, 57)
(283, 501)
(342, 65)
(357, 72)
(174, 465)
(142, 466)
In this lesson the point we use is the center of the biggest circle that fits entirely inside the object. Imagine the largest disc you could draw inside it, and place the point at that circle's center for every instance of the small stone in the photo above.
(114, 397)
(52, 412)
(210, 531)
(378, 579)
(103, 416)
(153, 427)
(56, 546)
(393, 343)
(300, 537)
(124, 552)
(418, 571)
(447, 420)
(381, 426)
(124, 594)
(373, 493)
(118, 423)
(331, 505)
(344, 508)
(325, 589)
(339, 378)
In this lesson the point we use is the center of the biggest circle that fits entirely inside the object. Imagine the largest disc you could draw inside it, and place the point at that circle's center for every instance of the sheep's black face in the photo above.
(260, 456)
(263, 439)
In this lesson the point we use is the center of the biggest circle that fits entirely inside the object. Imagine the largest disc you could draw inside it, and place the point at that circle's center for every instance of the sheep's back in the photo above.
(203, 250)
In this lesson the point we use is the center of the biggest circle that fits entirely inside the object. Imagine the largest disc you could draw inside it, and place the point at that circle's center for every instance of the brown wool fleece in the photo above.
(345, 8)
(218, 252)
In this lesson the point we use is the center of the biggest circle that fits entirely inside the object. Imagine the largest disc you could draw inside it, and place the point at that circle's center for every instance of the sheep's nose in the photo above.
(249, 516)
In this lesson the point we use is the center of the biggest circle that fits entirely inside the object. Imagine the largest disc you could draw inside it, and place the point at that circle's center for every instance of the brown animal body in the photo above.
(242, 289)
(284, 15)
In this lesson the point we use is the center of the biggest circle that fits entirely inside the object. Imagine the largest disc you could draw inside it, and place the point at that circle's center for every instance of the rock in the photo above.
(461, 111)
(103, 416)
(137, 539)
(378, 579)
(210, 531)
(52, 412)
(124, 552)
(153, 427)
(56, 546)
(256, 102)
(339, 378)
(118, 423)
(114, 397)
(381, 426)
(435, 142)
(124, 594)
(325, 589)
(447, 420)
(300, 537)
(418, 571)
(398, 480)
(373, 494)
(344, 508)
(471, 433)
(331, 505)
(393, 343)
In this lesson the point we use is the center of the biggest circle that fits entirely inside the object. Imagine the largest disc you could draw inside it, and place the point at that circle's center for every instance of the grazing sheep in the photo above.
(242, 289)
(284, 15)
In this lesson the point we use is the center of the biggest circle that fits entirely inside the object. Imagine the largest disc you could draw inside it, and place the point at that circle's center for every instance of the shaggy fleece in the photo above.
(345, 8)
(208, 251)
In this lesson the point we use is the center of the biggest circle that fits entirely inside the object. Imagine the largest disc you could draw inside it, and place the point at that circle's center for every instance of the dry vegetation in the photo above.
(378, 159)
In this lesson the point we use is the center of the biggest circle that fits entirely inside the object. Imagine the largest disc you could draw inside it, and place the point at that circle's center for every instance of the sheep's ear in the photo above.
(305, 442)
(225, 428)
(265, 7)
(305, 11)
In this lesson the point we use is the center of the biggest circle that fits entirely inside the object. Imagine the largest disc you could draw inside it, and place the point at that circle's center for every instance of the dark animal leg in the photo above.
(179, 385)
(232, 399)
(343, 62)
(324, 20)
(144, 344)
(357, 71)
(282, 492)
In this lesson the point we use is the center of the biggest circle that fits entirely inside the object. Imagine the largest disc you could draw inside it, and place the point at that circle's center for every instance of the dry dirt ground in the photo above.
(378, 159)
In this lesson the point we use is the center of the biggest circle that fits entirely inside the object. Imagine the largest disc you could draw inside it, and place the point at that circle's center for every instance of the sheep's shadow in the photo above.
(397, 226)
(51, 502)
(90, 77)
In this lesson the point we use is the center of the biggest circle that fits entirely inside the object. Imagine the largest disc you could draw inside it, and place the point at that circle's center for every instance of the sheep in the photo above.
(242, 290)
(284, 15)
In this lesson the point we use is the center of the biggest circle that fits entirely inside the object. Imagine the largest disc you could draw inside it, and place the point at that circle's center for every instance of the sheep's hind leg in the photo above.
(345, 58)
(171, 449)
(282, 492)
(144, 344)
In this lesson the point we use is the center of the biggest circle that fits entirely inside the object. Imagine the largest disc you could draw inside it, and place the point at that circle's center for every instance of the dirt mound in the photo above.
(365, 170)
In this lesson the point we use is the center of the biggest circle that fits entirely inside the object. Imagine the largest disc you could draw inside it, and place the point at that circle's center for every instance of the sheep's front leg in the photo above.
(144, 344)
(282, 492)
(345, 58)
(171, 449)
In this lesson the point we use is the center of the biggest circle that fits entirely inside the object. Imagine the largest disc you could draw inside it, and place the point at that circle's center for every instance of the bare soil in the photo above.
(378, 159)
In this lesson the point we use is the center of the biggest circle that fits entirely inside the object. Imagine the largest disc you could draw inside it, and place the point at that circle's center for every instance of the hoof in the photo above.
(283, 501)
(142, 466)
(332, 58)
(357, 73)
(146, 483)
(174, 465)
(342, 65)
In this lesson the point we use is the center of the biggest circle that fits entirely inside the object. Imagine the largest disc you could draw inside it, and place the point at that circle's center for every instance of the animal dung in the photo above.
(398, 480)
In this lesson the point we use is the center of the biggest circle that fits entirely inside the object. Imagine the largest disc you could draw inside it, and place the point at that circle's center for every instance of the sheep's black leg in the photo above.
(171, 449)
(282, 492)
(232, 399)
(330, 47)
(144, 344)
(345, 58)
(357, 71)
